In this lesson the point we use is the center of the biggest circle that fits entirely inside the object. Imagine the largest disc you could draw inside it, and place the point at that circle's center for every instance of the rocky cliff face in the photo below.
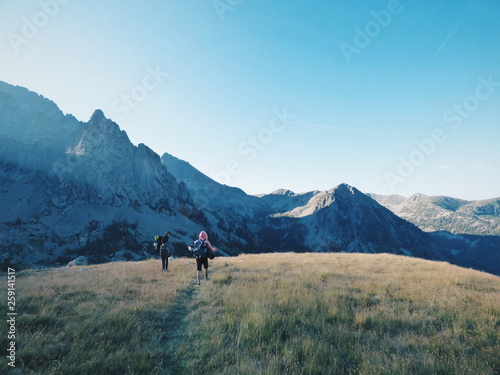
(71, 188)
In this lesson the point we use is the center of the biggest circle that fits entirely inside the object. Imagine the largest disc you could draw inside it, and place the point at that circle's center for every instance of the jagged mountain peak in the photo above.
(143, 149)
(345, 190)
(341, 189)
(287, 203)
(285, 192)
(97, 116)
(76, 185)
(99, 122)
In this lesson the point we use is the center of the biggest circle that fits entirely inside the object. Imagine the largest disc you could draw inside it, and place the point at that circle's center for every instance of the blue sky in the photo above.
(388, 96)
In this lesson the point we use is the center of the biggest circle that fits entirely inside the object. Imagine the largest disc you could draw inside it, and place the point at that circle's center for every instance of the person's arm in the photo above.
(209, 245)
(191, 247)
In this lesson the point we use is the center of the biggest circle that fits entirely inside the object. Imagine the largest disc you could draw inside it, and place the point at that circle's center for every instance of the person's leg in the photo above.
(166, 263)
(162, 263)
(205, 265)
(198, 270)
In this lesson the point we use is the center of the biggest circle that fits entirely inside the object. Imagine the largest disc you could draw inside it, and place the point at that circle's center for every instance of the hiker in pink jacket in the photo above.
(202, 260)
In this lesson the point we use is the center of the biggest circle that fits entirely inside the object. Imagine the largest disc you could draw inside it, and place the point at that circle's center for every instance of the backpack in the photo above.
(157, 244)
(166, 250)
(199, 248)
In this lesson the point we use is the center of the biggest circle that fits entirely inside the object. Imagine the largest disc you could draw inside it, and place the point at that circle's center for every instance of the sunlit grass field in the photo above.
(259, 314)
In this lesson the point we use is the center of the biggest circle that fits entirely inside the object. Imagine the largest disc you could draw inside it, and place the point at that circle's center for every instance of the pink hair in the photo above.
(204, 236)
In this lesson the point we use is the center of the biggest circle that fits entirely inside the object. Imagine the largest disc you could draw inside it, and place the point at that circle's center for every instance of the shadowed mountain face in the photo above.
(71, 188)
(345, 219)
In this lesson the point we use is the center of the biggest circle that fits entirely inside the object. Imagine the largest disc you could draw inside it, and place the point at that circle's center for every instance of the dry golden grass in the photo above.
(344, 314)
(260, 314)
(107, 319)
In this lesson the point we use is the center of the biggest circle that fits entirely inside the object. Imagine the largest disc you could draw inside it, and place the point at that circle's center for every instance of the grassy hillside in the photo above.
(259, 314)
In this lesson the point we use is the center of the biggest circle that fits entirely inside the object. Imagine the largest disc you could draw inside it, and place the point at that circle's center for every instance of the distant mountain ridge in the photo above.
(341, 219)
(345, 219)
(439, 213)
(71, 188)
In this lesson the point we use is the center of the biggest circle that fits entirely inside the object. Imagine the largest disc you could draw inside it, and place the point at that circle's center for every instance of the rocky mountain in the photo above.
(341, 219)
(440, 213)
(243, 221)
(345, 219)
(70, 188)
(467, 231)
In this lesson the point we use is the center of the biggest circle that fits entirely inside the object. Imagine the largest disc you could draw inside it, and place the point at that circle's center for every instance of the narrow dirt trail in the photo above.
(179, 313)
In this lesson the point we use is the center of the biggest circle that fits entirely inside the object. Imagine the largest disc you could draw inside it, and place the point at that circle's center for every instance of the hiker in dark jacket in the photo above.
(163, 249)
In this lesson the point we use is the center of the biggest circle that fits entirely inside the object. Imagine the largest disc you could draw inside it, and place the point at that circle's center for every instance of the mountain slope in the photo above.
(71, 188)
(341, 219)
(468, 232)
(242, 222)
(446, 214)
(345, 219)
(208, 193)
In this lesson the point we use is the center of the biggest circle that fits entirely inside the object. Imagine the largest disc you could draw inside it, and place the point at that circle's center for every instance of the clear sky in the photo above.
(388, 96)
